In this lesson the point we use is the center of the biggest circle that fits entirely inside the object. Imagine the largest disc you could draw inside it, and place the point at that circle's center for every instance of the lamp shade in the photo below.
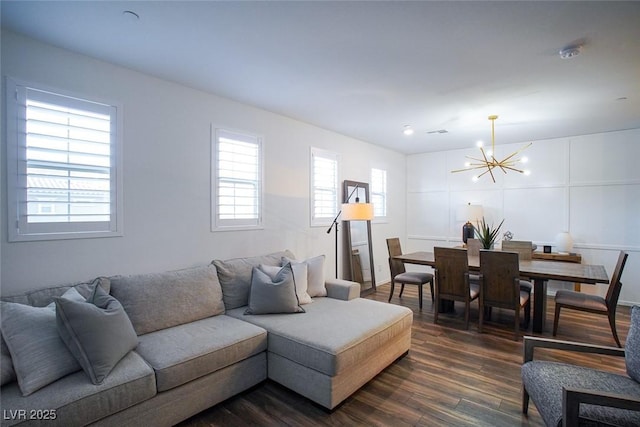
(473, 213)
(357, 211)
(564, 242)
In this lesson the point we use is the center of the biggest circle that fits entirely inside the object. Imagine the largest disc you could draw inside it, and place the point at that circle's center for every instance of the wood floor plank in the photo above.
(451, 377)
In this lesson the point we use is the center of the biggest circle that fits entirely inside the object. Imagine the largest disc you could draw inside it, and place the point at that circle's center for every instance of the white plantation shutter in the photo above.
(238, 180)
(379, 192)
(324, 186)
(65, 179)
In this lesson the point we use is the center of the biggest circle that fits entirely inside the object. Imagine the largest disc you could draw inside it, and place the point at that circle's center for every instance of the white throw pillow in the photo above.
(315, 275)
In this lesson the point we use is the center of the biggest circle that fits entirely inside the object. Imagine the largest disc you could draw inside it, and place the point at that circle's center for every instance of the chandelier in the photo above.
(489, 162)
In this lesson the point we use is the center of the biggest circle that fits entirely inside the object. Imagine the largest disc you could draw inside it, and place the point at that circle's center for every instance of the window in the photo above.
(237, 186)
(379, 192)
(63, 166)
(324, 187)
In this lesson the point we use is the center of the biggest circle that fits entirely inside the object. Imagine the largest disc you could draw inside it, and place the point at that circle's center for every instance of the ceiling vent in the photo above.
(438, 131)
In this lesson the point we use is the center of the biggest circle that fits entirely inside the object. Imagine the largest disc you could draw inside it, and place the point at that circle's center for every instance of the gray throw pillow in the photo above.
(276, 295)
(6, 365)
(300, 272)
(632, 345)
(235, 276)
(97, 331)
(39, 356)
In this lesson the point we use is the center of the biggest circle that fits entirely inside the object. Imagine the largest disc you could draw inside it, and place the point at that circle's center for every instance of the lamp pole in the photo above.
(334, 224)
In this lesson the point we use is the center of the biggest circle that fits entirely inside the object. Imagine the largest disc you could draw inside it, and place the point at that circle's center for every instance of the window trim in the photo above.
(80, 230)
(323, 221)
(239, 225)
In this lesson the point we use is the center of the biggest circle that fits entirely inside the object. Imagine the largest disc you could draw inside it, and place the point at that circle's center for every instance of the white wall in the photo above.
(167, 177)
(588, 185)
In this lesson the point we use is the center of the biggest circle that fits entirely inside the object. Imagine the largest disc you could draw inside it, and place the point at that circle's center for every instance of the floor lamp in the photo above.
(351, 212)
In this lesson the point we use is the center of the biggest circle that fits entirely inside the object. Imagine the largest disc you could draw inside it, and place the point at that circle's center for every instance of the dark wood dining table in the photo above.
(539, 271)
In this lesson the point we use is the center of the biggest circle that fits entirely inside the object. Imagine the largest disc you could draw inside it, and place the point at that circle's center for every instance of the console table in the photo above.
(563, 257)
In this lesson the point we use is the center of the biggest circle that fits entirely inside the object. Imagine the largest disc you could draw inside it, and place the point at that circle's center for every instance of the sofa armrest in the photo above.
(342, 289)
(572, 398)
(530, 343)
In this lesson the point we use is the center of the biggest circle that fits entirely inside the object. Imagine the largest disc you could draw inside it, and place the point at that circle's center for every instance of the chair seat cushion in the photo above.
(544, 381)
(185, 352)
(474, 290)
(524, 297)
(413, 278)
(579, 299)
(526, 285)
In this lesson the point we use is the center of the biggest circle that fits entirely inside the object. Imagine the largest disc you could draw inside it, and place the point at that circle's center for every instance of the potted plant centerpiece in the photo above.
(487, 234)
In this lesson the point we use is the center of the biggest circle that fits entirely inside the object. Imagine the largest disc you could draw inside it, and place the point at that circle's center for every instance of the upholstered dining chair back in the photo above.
(523, 248)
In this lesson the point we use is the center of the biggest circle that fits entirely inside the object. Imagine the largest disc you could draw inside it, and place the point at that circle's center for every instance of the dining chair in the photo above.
(502, 287)
(400, 275)
(452, 280)
(594, 303)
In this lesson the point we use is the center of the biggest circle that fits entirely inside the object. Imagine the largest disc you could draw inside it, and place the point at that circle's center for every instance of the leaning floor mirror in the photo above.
(358, 240)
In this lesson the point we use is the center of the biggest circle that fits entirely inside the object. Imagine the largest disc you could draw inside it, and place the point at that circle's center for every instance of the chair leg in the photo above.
(432, 294)
(612, 323)
(401, 289)
(556, 317)
(525, 401)
(516, 327)
(480, 317)
(527, 315)
(393, 286)
(467, 307)
(420, 296)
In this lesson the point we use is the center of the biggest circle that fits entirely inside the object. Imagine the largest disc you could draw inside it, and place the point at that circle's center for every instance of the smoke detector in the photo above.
(570, 51)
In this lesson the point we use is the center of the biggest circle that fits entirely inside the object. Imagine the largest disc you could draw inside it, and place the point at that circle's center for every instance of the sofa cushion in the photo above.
(545, 380)
(277, 295)
(77, 402)
(183, 353)
(44, 297)
(38, 354)
(632, 345)
(332, 335)
(315, 274)
(161, 300)
(96, 330)
(235, 276)
(300, 272)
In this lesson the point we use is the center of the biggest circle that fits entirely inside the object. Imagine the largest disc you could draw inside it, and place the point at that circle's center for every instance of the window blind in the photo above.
(63, 165)
(325, 185)
(238, 179)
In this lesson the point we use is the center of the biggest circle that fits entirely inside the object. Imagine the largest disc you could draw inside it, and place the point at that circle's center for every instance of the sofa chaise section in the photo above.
(335, 347)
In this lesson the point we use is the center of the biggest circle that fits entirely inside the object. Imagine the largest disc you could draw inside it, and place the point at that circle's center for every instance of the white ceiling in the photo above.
(366, 69)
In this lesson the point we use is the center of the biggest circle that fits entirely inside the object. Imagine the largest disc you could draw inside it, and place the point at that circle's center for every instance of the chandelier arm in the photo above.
(515, 153)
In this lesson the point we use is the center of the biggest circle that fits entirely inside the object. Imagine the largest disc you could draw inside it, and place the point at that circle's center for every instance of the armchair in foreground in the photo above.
(572, 395)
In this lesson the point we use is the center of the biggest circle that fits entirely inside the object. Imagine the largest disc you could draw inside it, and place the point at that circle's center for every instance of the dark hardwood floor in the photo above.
(451, 376)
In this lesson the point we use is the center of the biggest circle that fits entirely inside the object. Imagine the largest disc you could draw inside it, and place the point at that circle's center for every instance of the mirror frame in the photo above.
(347, 188)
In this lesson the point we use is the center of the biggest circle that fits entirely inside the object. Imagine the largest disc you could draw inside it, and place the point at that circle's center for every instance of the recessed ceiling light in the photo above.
(130, 16)
(408, 130)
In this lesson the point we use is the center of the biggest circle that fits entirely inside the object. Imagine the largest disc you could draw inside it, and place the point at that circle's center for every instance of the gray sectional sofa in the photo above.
(197, 347)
